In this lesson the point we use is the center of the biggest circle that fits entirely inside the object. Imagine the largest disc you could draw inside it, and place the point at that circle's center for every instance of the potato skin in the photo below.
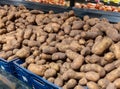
(99, 47)
(114, 72)
(111, 86)
(77, 62)
(117, 83)
(23, 53)
(93, 67)
(79, 87)
(83, 81)
(70, 84)
(58, 81)
(37, 69)
(115, 49)
(92, 85)
(109, 56)
(50, 73)
(103, 83)
(58, 56)
(92, 76)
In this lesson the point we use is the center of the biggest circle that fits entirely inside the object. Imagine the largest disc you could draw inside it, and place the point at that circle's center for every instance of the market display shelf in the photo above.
(7, 65)
(37, 6)
(111, 16)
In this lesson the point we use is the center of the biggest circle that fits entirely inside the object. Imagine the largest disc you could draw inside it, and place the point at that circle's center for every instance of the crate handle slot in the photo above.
(38, 81)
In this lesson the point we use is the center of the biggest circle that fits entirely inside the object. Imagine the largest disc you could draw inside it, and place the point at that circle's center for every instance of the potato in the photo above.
(117, 63)
(92, 85)
(74, 45)
(99, 47)
(86, 27)
(23, 53)
(103, 83)
(49, 50)
(51, 79)
(54, 66)
(79, 87)
(1, 24)
(25, 65)
(67, 29)
(109, 67)
(64, 67)
(30, 18)
(91, 34)
(77, 25)
(111, 86)
(85, 51)
(28, 33)
(2, 31)
(77, 37)
(93, 67)
(50, 73)
(30, 59)
(74, 33)
(117, 83)
(42, 39)
(92, 76)
(58, 56)
(52, 27)
(41, 62)
(39, 19)
(58, 81)
(77, 62)
(36, 53)
(72, 74)
(37, 69)
(45, 56)
(71, 54)
(10, 15)
(114, 72)
(11, 44)
(67, 40)
(92, 59)
(62, 47)
(10, 27)
(113, 34)
(12, 57)
(83, 81)
(109, 56)
(115, 49)
(70, 84)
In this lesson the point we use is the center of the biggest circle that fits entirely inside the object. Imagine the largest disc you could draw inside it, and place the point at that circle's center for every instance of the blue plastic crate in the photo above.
(34, 81)
(21, 73)
(40, 83)
(31, 79)
(7, 65)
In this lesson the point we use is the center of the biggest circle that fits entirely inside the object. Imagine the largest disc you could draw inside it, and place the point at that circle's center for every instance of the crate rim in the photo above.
(116, 14)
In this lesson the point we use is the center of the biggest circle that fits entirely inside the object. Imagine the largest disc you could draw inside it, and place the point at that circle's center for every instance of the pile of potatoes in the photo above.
(62, 48)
